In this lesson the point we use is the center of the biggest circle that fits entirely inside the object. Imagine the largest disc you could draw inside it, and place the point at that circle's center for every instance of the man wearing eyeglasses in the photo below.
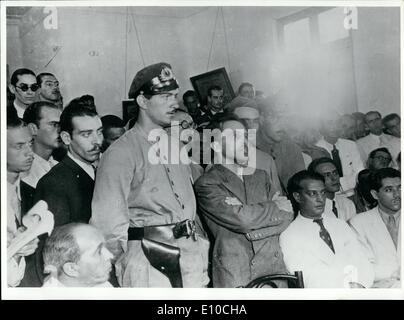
(335, 205)
(24, 86)
(49, 89)
(143, 203)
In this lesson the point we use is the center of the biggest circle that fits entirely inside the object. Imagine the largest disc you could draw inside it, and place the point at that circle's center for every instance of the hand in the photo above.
(29, 248)
(232, 201)
(282, 202)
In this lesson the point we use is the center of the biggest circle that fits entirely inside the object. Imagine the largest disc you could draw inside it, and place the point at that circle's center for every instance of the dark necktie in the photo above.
(334, 208)
(324, 235)
(391, 227)
(337, 159)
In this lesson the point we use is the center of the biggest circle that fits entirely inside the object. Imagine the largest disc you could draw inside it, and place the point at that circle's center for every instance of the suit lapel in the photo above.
(77, 170)
(27, 197)
(383, 235)
(232, 183)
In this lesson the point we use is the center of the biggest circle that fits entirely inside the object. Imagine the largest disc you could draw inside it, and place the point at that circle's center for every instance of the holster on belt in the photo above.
(158, 244)
(165, 258)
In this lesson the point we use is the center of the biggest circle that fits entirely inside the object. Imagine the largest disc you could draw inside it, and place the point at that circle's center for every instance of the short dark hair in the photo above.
(376, 177)
(294, 185)
(373, 152)
(390, 117)
(220, 118)
(13, 121)
(244, 84)
(214, 88)
(316, 162)
(33, 113)
(61, 247)
(371, 112)
(189, 93)
(111, 121)
(71, 111)
(20, 72)
(41, 75)
(85, 100)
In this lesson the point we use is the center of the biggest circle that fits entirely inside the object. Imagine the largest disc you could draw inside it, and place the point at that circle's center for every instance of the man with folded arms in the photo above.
(243, 213)
(324, 248)
(379, 229)
(144, 203)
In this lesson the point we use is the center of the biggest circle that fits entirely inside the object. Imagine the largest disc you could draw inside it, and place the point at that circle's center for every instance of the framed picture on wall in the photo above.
(129, 110)
(219, 77)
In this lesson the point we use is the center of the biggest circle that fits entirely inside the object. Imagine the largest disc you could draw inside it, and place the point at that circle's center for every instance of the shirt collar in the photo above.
(385, 216)
(20, 111)
(16, 186)
(88, 168)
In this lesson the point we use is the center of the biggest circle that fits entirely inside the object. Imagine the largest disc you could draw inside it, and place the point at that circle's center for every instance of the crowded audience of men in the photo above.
(258, 196)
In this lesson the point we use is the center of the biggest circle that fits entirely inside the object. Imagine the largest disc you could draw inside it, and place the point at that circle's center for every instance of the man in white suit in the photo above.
(379, 229)
(323, 247)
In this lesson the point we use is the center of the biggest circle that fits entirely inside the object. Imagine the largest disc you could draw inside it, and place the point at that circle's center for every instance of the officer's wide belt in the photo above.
(164, 233)
(159, 247)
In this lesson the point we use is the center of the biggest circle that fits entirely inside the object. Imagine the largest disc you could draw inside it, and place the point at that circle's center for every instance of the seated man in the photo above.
(244, 218)
(379, 158)
(379, 229)
(335, 204)
(113, 128)
(324, 248)
(75, 256)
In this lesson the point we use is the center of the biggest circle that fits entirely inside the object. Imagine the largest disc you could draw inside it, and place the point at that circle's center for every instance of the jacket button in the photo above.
(276, 254)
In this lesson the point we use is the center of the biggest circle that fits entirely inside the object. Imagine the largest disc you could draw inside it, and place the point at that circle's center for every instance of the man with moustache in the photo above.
(24, 86)
(68, 186)
(143, 203)
(241, 211)
(379, 229)
(336, 205)
(325, 249)
(215, 104)
(43, 120)
(49, 89)
(19, 201)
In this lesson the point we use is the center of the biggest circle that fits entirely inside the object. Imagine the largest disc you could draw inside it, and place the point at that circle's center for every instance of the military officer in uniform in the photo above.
(146, 208)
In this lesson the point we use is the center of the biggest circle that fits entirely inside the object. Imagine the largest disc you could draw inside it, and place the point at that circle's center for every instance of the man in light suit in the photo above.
(242, 214)
(379, 229)
(68, 187)
(324, 248)
(336, 205)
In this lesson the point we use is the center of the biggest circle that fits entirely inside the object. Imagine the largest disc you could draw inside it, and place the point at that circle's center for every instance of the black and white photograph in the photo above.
(202, 146)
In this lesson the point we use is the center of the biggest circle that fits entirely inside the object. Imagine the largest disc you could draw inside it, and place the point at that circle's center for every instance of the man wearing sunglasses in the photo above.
(24, 87)
(336, 205)
(143, 203)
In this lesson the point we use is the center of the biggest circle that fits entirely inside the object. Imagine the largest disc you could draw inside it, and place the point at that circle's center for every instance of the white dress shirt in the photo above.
(88, 168)
(351, 162)
(15, 266)
(371, 142)
(304, 250)
(39, 168)
(375, 238)
(346, 208)
(52, 282)
(20, 111)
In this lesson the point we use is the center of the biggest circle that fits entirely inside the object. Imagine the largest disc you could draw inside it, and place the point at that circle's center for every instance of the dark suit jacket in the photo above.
(68, 191)
(33, 274)
(246, 237)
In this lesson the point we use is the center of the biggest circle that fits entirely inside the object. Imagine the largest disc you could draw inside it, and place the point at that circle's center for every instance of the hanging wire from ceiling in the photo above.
(213, 38)
(225, 38)
(137, 37)
(126, 47)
